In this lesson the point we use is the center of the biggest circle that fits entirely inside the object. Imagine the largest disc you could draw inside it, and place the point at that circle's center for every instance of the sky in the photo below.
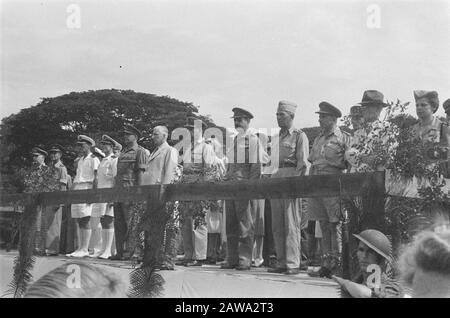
(220, 54)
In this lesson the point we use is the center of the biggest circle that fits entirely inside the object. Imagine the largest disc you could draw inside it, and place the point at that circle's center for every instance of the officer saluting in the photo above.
(328, 157)
(293, 149)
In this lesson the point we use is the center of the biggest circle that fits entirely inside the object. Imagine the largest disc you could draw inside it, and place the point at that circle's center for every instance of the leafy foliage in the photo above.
(60, 119)
(145, 282)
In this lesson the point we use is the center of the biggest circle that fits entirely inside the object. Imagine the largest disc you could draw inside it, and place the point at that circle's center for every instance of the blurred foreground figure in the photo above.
(372, 280)
(425, 264)
(77, 280)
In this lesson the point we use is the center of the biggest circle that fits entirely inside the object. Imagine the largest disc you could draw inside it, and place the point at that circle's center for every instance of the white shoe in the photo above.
(258, 262)
(80, 254)
(71, 254)
(105, 255)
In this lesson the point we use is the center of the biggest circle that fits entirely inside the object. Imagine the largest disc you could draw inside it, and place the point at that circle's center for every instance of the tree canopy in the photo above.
(94, 113)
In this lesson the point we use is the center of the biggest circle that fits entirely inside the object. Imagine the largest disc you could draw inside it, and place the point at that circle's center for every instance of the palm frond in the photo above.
(24, 262)
(145, 283)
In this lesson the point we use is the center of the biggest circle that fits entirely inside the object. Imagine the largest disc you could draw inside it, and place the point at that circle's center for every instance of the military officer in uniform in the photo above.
(328, 157)
(293, 150)
(131, 165)
(200, 164)
(107, 172)
(53, 214)
(86, 178)
(244, 164)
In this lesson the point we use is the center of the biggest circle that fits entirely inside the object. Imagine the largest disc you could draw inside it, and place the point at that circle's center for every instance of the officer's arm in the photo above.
(141, 164)
(96, 164)
(302, 154)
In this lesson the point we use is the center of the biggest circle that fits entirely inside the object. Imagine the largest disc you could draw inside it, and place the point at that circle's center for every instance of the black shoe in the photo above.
(292, 271)
(242, 267)
(116, 257)
(322, 272)
(166, 267)
(277, 270)
(193, 263)
(228, 266)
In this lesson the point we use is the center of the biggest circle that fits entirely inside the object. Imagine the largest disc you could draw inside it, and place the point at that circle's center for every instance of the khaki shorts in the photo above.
(324, 209)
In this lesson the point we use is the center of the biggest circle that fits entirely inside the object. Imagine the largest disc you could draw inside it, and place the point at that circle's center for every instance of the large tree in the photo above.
(60, 119)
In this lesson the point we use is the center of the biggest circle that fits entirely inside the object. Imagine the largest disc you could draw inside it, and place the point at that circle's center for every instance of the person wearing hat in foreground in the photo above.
(244, 163)
(107, 171)
(289, 153)
(328, 157)
(85, 178)
(200, 164)
(374, 258)
(52, 216)
(131, 165)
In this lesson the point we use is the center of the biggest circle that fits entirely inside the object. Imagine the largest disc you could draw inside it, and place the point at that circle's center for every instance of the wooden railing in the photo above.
(276, 188)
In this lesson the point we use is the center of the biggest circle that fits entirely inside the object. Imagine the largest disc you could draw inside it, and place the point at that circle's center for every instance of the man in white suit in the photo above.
(161, 169)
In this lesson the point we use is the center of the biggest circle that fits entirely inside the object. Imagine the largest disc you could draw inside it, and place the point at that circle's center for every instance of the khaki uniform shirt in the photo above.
(130, 161)
(328, 152)
(293, 150)
(245, 157)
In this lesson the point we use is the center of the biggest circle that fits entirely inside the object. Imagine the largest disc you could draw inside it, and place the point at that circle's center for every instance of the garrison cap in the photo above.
(239, 112)
(356, 110)
(56, 148)
(131, 130)
(328, 109)
(85, 139)
(108, 140)
(373, 97)
(446, 105)
(38, 151)
(431, 96)
(286, 106)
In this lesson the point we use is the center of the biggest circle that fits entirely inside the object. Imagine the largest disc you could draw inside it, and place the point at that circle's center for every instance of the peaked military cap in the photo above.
(373, 97)
(328, 109)
(131, 130)
(38, 151)
(86, 139)
(108, 140)
(56, 148)
(431, 96)
(239, 113)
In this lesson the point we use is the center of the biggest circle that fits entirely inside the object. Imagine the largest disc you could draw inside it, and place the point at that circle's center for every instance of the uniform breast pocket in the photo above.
(288, 146)
(332, 151)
